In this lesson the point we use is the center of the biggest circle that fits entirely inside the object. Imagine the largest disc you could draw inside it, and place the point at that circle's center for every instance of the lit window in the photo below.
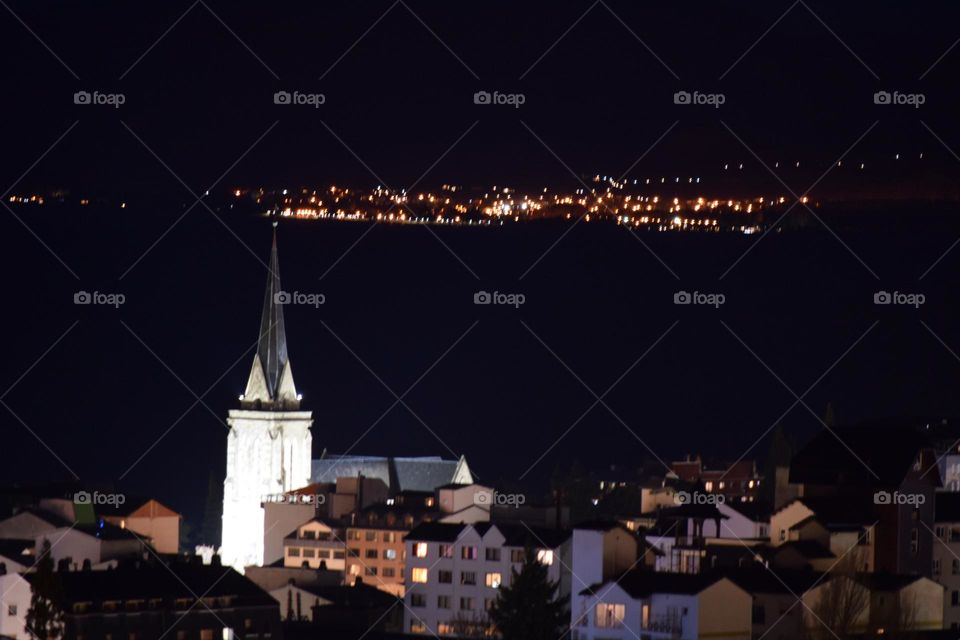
(493, 580)
(389, 554)
(609, 616)
(419, 575)
(416, 626)
(468, 553)
(420, 549)
(446, 551)
(545, 556)
(708, 486)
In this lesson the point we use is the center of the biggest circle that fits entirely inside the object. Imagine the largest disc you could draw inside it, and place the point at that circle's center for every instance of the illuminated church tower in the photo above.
(269, 444)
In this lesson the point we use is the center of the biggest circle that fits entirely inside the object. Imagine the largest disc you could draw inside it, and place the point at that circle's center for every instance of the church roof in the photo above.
(399, 474)
(271, 378)
(272, 347)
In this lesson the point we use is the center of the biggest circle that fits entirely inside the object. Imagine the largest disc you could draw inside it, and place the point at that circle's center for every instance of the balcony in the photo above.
(671, 624)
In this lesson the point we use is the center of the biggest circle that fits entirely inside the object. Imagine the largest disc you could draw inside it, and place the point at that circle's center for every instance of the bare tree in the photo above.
(843, 602)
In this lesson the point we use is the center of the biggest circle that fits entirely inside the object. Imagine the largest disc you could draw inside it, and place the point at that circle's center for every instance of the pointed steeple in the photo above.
(270, 385)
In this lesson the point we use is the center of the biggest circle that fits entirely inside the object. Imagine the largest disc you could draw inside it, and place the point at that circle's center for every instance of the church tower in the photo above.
(269, 444)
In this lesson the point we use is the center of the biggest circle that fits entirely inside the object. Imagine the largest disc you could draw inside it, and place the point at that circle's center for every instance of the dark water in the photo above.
(399, 299)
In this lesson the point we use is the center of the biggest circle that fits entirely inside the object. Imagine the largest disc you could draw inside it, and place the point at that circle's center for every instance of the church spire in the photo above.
(270, 385)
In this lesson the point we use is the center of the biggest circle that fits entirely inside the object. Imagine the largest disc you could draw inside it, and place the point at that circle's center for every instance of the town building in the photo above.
(269, 450)
(148, 518)
(316, 544)
(454, 570)
(946, 555)
(153, 600)
(657, 605)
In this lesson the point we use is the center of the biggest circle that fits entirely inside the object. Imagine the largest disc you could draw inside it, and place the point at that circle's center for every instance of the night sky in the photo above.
(199, 113)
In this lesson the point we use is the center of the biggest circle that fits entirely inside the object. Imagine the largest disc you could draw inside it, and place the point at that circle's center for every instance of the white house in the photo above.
(14, 603)
(659, 605)
(453, 571)
(96, 544)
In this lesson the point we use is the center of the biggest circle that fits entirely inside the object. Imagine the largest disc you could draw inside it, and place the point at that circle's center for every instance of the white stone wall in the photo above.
(268, 453)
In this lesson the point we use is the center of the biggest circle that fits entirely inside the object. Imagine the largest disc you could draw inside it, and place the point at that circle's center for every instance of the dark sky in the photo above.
(103, 398)
(399, 87)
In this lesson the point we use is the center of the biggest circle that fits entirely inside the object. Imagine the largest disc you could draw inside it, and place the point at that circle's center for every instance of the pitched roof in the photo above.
(359, 596)
(436, 532)
(399, 474)
(139, 507)
(810, 549)
(639, 583)
(156, 580)
(858, 456)
(515, 535)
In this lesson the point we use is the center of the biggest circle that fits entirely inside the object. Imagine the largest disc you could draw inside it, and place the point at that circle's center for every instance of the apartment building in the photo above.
(455, 570)
(316, 544)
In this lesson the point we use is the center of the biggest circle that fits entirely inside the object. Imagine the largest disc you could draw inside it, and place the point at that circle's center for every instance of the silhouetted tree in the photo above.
(530, 609)
(44, 617)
